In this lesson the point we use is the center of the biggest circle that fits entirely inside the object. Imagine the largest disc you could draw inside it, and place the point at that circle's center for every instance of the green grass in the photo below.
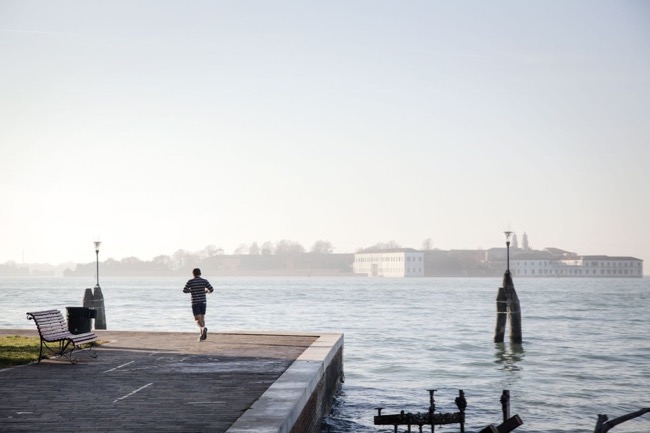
(15, 350)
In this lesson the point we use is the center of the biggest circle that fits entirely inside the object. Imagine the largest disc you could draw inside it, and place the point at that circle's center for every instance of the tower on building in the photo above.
(515, 242)
(524, 242)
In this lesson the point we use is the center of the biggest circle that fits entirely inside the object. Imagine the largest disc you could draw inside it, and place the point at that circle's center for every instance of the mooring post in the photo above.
(461, 403)
(432, 408)
(514, 309)
(88, 301)
(502, 315)
(505, 404)
(98, 304)
(88, 298)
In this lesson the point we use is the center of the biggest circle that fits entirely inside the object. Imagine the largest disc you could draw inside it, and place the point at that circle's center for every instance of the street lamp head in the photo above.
(97, 244)
(508, 234)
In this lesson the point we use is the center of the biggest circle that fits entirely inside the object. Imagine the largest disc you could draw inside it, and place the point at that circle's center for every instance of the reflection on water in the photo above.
(509, 356)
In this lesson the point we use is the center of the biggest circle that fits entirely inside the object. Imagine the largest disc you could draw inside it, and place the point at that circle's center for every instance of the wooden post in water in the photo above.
(508, 308)
(98, 304)
(514, 309)
(88, 298)
(505, 404)
(502, 315)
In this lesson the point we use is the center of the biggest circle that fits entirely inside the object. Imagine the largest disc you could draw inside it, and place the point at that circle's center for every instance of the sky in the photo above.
(155, 126)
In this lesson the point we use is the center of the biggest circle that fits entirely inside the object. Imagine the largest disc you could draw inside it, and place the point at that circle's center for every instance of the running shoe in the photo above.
(204, 334)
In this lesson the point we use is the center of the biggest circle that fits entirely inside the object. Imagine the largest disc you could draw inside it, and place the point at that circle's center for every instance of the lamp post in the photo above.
(98, 297)
(97, 244)
(508, 234)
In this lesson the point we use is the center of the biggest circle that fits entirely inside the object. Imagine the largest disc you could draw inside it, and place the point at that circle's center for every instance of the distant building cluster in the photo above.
(381, 260)
(524, 262)
(554, 262)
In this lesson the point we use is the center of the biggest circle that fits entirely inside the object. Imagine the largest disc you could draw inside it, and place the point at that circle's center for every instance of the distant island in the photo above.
(288, 258)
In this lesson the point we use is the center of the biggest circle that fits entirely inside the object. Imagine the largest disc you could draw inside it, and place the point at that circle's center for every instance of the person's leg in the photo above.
(204, 329)
(199, 316)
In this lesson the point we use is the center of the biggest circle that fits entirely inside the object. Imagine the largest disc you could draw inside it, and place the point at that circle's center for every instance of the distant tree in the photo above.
(288, 248)
(241, 249)
(391, 245)
(129, 265)
(131, 261)
(427, 244)
(162, 263)
(210, 251)
(182, 260)
(110, 266)
(322, 247)
(254, 249)
(267, 248)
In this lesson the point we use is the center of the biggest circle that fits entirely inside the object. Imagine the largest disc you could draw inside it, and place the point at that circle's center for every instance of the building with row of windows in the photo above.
(402, 262)
(550, 262)
(578, 266)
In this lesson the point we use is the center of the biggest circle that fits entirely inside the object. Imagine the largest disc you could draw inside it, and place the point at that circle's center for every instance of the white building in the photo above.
(405, 262)
(578, 266)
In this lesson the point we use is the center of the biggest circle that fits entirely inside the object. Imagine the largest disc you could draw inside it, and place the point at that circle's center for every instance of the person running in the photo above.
(198, 287)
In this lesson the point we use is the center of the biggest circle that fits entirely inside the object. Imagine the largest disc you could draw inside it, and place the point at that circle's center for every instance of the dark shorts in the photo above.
(199, 309)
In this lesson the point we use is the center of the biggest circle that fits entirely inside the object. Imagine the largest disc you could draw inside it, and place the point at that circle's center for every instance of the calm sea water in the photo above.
(586, 341)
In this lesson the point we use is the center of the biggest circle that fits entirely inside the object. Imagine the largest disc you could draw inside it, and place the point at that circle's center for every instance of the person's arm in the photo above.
(186, 289)
(208, 288)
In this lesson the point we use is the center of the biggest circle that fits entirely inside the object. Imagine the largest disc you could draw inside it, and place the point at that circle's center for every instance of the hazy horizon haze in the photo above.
(164, 125)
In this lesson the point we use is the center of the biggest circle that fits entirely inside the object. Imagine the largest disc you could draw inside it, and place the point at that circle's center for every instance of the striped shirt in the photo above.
(196, 286)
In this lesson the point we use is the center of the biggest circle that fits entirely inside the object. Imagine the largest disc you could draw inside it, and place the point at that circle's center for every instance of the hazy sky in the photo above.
(161, 125)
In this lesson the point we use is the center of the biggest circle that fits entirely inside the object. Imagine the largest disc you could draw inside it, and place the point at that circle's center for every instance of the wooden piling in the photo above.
(514, 309)
(502, 315)
(98, 304)
(505, 404)
(88, 298)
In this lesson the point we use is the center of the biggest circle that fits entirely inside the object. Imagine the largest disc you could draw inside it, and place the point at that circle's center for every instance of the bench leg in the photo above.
(40, 353)
(61, 350)
(65, 349)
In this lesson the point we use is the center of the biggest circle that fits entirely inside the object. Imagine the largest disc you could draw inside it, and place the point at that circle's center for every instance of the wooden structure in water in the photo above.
(432, 419)
(604, 424)
(508, 310)
(95, 300)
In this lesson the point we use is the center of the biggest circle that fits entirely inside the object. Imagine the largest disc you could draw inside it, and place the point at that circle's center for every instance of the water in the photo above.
(586, 341)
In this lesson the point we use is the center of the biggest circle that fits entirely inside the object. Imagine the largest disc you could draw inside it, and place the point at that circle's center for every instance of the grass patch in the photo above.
(15, 350)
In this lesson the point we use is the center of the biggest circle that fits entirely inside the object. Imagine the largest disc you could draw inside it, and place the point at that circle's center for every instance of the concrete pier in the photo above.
(233, 382)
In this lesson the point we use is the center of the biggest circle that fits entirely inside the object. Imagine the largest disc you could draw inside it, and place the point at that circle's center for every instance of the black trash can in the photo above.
(80, 319)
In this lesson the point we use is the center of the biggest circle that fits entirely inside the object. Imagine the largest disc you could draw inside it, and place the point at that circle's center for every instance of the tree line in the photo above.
(284, 254)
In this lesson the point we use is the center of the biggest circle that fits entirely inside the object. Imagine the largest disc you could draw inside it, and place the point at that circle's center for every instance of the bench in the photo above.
(57, 339)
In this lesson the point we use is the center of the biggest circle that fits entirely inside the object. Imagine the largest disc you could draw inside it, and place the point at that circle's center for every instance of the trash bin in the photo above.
(80, 319)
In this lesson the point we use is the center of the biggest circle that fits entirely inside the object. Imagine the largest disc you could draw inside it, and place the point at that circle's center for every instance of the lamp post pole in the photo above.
(97, 244)
(98, 297)
(508, 234)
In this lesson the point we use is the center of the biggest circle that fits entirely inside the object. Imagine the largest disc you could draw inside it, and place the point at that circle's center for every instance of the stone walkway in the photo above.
(157, 382)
